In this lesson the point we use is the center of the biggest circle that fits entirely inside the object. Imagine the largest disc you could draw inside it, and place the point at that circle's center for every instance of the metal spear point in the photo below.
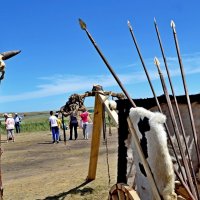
(186, 90)
(155, 97)
(173, 119)
(176, 103)
(82, 24)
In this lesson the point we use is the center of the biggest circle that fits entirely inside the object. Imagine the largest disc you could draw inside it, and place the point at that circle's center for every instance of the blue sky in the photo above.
(57, 58)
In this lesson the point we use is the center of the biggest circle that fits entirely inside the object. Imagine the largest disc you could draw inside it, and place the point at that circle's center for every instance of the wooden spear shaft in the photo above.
(155, 97)
(176, 105)
(185, 164)
(184, 185)
(150, 177)
(186, 90)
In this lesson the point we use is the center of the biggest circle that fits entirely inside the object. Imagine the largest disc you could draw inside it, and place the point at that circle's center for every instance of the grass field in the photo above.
(32, 122)
(37, 121)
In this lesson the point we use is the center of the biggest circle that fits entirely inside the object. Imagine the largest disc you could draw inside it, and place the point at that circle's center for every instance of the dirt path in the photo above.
(35, 169)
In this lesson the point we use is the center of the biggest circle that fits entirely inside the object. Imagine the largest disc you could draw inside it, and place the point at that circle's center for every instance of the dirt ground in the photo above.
(35, 169)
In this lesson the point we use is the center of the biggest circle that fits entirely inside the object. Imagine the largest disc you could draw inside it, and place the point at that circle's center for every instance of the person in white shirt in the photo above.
(54, 127)
(10, 125)
(17, 119)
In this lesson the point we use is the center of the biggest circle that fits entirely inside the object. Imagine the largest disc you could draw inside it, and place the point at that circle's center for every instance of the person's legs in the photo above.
(8, 133)
(84, 125)
(71, 130)
(12, 134)
(75, 131)
(86, 132)
(53, 134)
(16, 128)
(19, 128)
(57, 134)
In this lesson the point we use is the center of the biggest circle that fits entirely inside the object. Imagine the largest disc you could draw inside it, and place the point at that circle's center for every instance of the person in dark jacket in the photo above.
(73, 125)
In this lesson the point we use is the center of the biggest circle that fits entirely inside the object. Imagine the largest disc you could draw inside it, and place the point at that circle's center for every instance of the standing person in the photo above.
(54, 127)
(59, 125)
(17, 119)
(84, 117)
(73, 125)
(10, 126)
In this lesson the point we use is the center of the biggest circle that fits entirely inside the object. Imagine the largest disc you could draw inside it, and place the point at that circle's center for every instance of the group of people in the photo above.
(11, 124)
(74, 124)
(55, 124)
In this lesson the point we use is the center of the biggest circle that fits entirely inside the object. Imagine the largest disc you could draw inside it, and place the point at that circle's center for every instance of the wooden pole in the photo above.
(95, 143)
(186, 91)
(177, 133)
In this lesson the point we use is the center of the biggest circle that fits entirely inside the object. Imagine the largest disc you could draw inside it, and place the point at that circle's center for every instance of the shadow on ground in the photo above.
(75, 190)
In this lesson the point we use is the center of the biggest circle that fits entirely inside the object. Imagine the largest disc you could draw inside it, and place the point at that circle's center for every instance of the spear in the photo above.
(157, 63)
(176, 104)
(155, 97)
(185, 88)
(83, 27)
(146, 166)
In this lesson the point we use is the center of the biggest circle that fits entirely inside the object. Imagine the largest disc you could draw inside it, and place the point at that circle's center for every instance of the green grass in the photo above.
(39, 121)
(32, 122)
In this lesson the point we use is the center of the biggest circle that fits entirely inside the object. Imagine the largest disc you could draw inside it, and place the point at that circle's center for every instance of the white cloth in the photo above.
(17, 119)
(53, 121)
(10, 123)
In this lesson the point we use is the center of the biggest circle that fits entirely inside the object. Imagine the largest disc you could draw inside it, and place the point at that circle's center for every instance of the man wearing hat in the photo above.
(17, 119)
(10, 125)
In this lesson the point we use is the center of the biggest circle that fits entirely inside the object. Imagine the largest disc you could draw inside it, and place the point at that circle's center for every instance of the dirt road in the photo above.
(35, 169)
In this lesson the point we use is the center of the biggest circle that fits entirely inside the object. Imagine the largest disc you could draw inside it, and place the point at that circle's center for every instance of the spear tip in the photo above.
(172, 24)
(82, 24)
(156, 62)
(129, 24)
(154, 20)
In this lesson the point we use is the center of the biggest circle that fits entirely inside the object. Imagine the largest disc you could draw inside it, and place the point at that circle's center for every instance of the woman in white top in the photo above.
(10, 125)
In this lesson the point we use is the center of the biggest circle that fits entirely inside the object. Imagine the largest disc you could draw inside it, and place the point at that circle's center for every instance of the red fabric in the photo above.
(84, 116)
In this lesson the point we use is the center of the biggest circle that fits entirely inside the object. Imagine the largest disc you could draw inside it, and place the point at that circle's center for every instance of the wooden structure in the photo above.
(96, 132)
(120, 190)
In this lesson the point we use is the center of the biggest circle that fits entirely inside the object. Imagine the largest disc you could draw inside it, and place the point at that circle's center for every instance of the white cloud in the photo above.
(62, 84)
